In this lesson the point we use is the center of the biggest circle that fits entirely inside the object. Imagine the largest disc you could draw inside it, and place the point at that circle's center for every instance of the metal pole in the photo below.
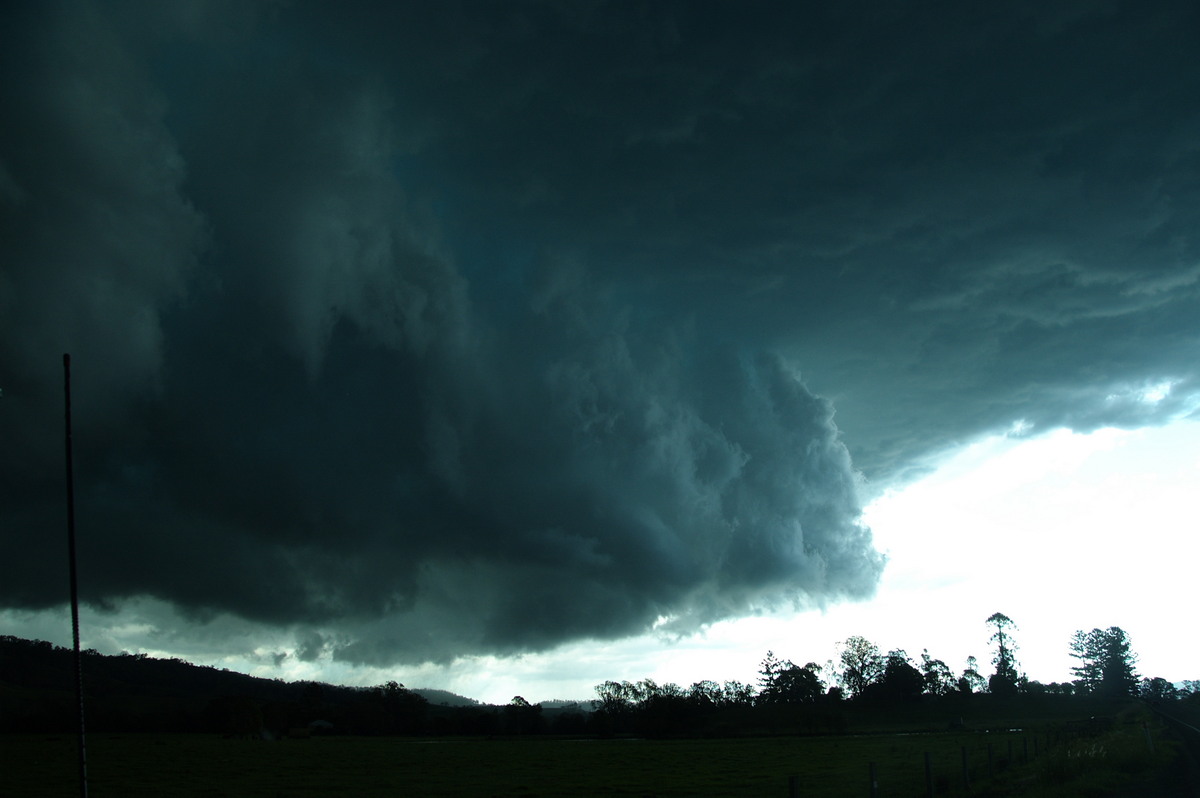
(74, 581)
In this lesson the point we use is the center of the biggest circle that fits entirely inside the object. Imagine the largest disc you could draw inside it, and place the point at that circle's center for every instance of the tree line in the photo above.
(133, 692)
(864, 676)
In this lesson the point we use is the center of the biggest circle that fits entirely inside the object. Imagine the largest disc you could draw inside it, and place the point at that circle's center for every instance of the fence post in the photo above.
(874, 782)
(966, 771)
(1024, 750)
(70, 468)
(793, 786)
(928, 776)
(991, 763)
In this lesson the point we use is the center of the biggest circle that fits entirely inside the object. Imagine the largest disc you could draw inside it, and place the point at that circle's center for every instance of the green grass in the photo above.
(195, 765)
(1133, 752)
(199, 765)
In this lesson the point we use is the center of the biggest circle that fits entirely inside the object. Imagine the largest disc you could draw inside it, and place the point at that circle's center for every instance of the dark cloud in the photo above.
(469, 327)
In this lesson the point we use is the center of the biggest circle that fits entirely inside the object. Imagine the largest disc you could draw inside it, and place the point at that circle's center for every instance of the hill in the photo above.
(445, 698)
(134, 692)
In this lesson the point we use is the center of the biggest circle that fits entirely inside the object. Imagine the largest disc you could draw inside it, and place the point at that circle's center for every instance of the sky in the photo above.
(513, 347)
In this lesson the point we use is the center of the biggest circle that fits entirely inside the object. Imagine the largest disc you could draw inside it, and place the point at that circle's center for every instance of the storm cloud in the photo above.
(480, 328)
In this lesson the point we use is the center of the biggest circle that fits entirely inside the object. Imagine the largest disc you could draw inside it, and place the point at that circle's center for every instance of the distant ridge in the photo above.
(17, 654)
(123, 688)
(445, 698)
(135, 692)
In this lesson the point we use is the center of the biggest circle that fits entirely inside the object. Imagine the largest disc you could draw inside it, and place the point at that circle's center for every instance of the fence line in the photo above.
(935, 765)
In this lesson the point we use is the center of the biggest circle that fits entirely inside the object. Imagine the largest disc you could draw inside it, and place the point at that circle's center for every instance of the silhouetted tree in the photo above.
(664, 709)
(393, 708)
(1004, 681)
(796, 685)
(899, 681)
(521, 717)
(1158, 689)
(937, 676)
(705, 694)
(768, 669)
(1105, 662)
(971, 680)
(615, 699)
(784, 682)
(735, 693)
(861, 664)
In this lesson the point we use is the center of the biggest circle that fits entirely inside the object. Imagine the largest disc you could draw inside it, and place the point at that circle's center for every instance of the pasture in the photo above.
(212, 767)
(131, 765)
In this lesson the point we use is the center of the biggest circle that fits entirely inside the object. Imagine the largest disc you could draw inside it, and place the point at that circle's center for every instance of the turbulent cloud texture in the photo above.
(476, 328)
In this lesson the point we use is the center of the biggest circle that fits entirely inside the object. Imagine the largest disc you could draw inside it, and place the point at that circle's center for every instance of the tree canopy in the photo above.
(861, 663)
(1004, 681)
(1106, 662)
(784, 682)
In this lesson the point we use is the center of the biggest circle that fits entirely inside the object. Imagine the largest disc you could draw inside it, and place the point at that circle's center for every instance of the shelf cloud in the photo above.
(465, 328)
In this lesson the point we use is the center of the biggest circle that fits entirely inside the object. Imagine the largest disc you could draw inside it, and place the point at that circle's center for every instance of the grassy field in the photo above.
(209, 766)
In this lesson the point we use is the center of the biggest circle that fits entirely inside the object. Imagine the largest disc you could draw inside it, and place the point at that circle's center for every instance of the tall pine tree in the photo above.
(1106, 662)
(1004, 681)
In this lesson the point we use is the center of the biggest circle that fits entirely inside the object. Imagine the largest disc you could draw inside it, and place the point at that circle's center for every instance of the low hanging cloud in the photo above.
(292, 407)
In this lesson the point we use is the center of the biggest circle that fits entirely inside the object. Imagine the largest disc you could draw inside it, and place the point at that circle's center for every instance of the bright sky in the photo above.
(1061, 532)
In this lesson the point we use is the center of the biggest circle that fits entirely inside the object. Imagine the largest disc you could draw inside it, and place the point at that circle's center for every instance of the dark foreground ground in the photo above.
(1068, 759)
